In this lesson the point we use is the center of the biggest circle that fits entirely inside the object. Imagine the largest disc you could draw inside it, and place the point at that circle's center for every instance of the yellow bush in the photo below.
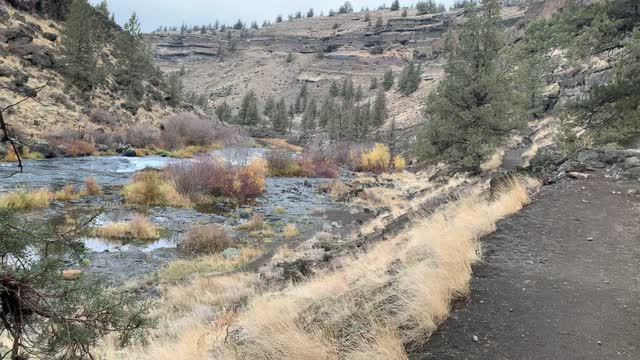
(150, 190)
(24, 199)
(399, 163)
(138, 228)
(67, 193)
(208, 239)
(91, 186)
(25, 154)
(290, 231)
(377, 159)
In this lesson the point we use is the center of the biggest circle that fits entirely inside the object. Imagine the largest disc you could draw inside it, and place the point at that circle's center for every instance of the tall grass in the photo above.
(138, 228)
(24, 199)
(372, 307)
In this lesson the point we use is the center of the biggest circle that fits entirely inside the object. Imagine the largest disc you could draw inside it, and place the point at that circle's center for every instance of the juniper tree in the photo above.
(301, 99)
(470, 112)
(45, 316)
(174, 89)
(310, 13)
(327, 112)
(133, 60)
(334, 88)
(309, 117)
(81, 46)
(405, 13)
(347, 90)
(387, 81)
(410, 79)
(224, 113)
(249, 114)
(279, 119)
(269, 107)
(290, 58)
(379, 113)
(395, 5)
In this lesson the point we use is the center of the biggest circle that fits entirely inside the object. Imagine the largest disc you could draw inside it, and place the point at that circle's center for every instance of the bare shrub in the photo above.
(79, 148)
(141, 135)
(102, 117)
(208, 239)
(185, 129)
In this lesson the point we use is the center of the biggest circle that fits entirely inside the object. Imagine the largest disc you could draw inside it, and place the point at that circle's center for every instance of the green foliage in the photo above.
(133, 60)
(410, 79)
(224, 113)
(428, 7)
(334, 88)
(301, 100)
(174, 89)
(279, 119)
(249, 114)
(612, 112)
(81, 44)
(46, 316)
(380, 113)
(471, 110)
(290, 58)
(345, 8)
(395, 5)
(387, 81)
(309, 117)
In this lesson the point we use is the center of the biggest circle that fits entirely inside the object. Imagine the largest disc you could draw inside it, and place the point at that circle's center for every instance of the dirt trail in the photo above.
(559, 280)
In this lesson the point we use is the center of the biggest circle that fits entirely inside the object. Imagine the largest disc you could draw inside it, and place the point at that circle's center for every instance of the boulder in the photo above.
(631, 162)
(632, 173)
(129, 152)
(6, 71)
(611, 156)
(573, 166)
(50, 36)
(18, 36)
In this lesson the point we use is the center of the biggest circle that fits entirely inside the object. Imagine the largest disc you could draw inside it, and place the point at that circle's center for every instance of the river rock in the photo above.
(611, 156)
(50, 36)
(632, 173)
(129, 152)
(231, 253)
(631, 162)
(6, 71)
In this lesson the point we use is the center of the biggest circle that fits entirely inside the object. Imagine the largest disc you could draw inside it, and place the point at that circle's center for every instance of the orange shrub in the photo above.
(79, 148)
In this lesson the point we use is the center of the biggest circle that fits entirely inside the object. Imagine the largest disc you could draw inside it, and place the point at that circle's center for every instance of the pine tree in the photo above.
(471, 110)
(410, 79)
(310, 13)
(347, 91)
(395, 5)
(279, 120)
(174, 89)
(81, 46)
(334, 89)
(301, 100)
(387, 81)
(133, 60)
(223, 112)
(327, 111)
(380, 113)
(309, 117)
(269, 107)
(248, 114)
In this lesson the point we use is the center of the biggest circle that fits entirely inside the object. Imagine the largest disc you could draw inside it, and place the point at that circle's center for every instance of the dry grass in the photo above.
(208, 239)
(494, 162)
(138, 228)
(290, 231)
(282, 144)
(182, 269)
(395, 294)
(91, 187)
(67, 193)
(26, 200)
(150, 190)
(399, 163)
(25, 154)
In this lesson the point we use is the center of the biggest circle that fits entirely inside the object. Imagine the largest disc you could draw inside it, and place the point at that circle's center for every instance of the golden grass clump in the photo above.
(24, 199)
(150, 190)
(282, 144)
(91, 187)
(182, 269)
(138, 228)
(208, 239)
(67, 193)
(290, 231)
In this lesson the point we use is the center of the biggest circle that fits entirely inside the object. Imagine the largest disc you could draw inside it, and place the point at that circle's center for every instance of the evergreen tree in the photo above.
(238, 25)
(310, 13)
(223, 112)
(471, 110)
(387, 81)
(380, 113)
(133, 60)
(374, 83)
(327, 111)
(290, 58)
(405, 13)
(174, 89)
(309, 117)
(334, 89)
(301, 100)
(81, 46)
(410, 79)
(279, 119)
(279, 19)
(395, 5)
(347, 90)
(249, 114)
(269, 107)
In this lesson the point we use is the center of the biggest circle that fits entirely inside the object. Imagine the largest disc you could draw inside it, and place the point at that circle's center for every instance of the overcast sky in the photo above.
(154, 13)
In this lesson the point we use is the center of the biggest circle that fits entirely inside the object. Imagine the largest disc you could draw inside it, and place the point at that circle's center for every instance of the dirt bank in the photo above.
(559, 280)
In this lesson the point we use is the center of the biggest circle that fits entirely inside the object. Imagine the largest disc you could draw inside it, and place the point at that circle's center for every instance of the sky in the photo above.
(154, 13)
